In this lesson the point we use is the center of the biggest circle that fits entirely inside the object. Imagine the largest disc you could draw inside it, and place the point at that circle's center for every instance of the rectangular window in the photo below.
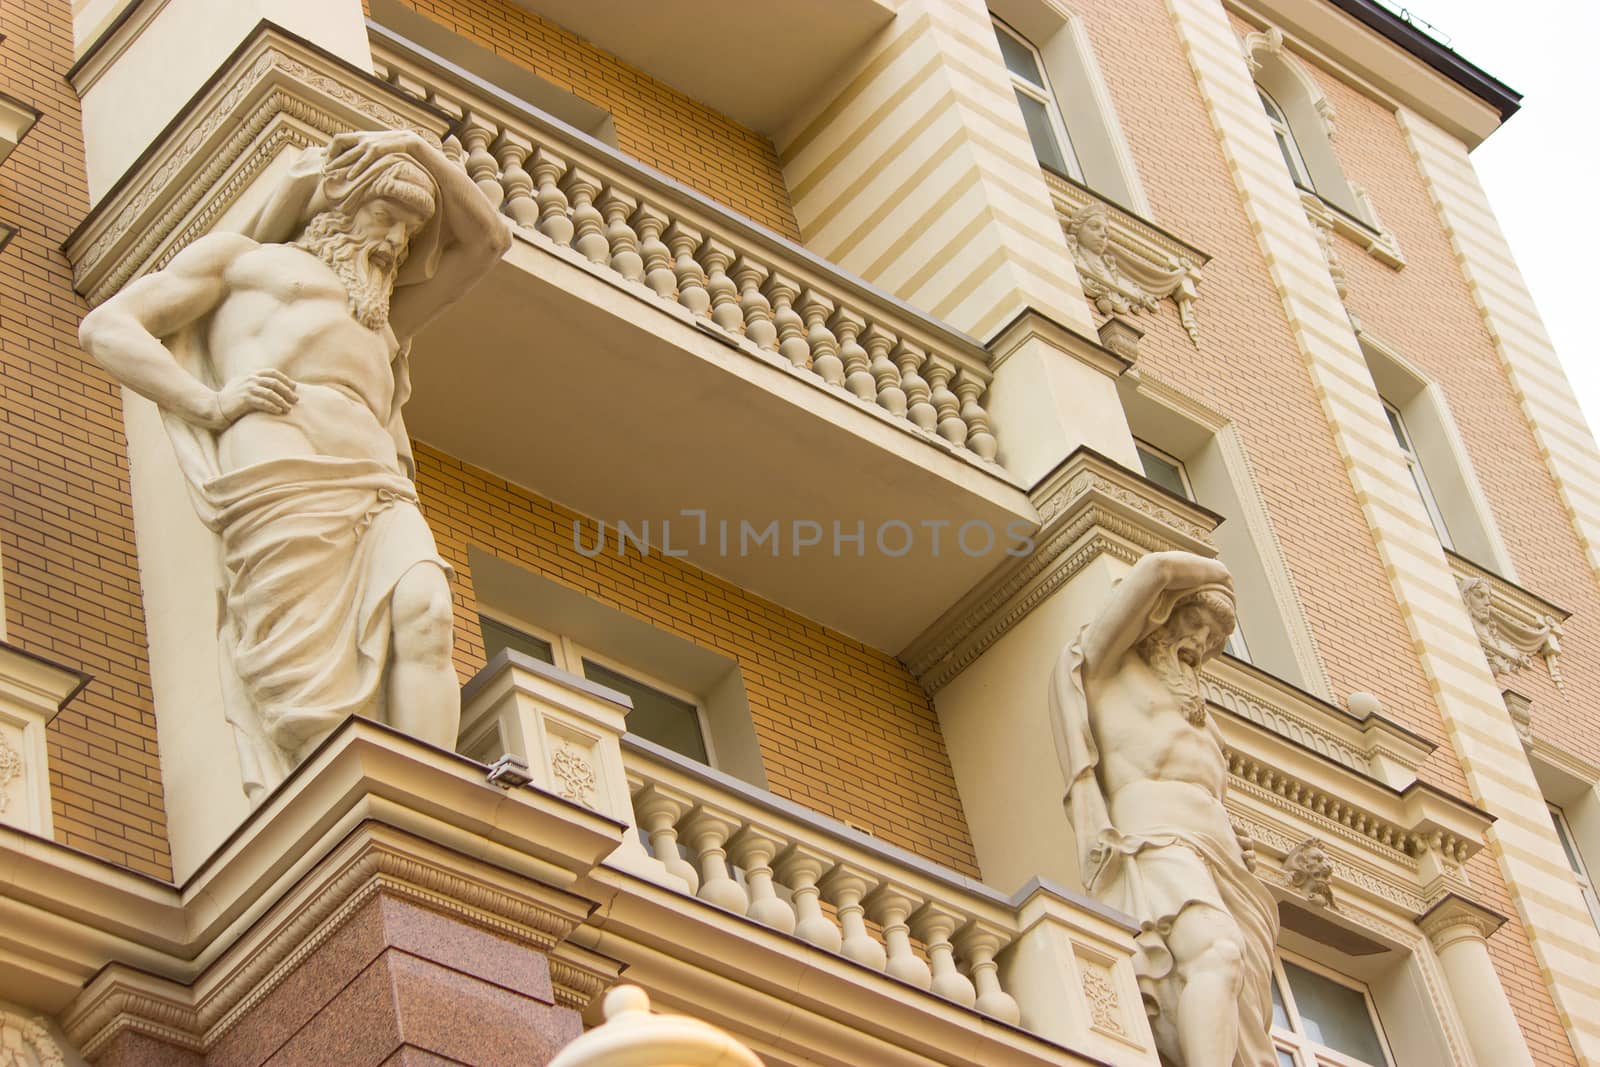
(1168, 472)
(1040, 114)
(1320, 1019)
(1419, 477)
(1564, 832)
(497, 636)
(656, 716)
(669, 720)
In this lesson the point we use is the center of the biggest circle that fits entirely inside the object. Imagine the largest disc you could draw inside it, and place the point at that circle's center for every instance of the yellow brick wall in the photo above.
(844, 729)
(655, 123)
(66, 531)
(1249, 366)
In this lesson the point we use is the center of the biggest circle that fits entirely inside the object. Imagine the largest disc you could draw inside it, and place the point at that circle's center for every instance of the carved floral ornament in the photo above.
(25, 1042)
(1510, 637)
(10, 770)
(1309, 871)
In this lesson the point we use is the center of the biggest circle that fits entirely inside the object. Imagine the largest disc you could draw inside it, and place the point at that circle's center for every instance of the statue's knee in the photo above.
(423, 618)
(1224, 957)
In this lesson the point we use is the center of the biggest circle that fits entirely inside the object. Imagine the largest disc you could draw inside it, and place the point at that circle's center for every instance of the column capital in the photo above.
(1453, 917)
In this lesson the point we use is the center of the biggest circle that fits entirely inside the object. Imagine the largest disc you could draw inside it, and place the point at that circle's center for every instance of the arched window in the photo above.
(1286, 142)
(1040, 113)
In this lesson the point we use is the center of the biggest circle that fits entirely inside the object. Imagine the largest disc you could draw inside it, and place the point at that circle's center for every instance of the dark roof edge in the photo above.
(1477, 81)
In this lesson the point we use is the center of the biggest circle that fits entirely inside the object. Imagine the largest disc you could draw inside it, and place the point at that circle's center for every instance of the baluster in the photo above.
(553, 206)
(451, 147)
(481, 167)
(951, 428)
(847, 326)
(658, 812)
(708, 835)
(617, 206)
(979, 437)
(888, 907)
(511, 150)
(933, 925)
(691, 279)
(918, 409)
(588, 224)
(782, 290)
(715, 257)
(657, 259)
(753, 850)
(845, 887)
(758, 325)
(825, 361)
(801, 869)
(979, 944)
(885, 374)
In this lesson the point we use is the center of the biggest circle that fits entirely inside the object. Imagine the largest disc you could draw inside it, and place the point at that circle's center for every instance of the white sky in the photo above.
(1539, 169)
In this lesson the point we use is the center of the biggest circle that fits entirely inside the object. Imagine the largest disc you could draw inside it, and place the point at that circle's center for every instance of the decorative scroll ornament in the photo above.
(10, 770)
(1120, 285)
(1310, 872)
(25, 1042)
(1101, 996)
(1510, 643)
(1322, 224)
(575, 775)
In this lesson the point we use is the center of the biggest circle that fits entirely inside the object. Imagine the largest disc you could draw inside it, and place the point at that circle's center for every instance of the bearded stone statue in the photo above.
(278, 358)
(1146, 773)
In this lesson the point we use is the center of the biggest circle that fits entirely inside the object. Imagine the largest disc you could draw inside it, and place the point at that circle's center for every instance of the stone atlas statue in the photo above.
(1145, 775)
(278, 358)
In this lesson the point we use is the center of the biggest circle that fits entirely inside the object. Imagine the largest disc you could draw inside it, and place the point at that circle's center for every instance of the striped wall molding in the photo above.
(1508, 314)
(1523, 841)
(919, 176)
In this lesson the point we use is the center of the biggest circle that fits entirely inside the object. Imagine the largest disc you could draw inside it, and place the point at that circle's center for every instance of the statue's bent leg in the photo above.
(424, 697)
(1208, 949)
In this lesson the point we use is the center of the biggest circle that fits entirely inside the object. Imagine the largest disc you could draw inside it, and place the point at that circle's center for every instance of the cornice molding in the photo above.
(276, 92)
(375, 861)
(1089, 506)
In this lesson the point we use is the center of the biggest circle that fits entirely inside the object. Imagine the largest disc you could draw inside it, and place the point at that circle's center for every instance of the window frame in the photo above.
(1237, 646)
(1580, 870)
(1044, 93)
(1419, 474)
(1305, 1051)
(1288, 144)
(569, 656)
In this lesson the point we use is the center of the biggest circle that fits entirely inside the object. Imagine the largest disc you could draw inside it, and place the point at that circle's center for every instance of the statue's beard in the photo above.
(1177, 663)
(369, 284)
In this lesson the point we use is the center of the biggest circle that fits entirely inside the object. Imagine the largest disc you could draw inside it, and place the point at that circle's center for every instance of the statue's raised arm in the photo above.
(1145, 598)
(278, 358)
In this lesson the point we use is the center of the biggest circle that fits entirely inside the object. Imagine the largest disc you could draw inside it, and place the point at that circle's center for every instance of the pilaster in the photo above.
(1458, 930)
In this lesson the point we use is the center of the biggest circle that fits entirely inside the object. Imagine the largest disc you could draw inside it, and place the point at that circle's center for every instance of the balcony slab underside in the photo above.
(595, 394)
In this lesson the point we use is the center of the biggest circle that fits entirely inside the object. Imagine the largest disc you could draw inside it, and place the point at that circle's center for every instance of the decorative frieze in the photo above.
(1126, 265)
(1514, 627)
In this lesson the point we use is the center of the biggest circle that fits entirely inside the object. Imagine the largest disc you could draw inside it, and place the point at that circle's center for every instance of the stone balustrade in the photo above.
(1048, 960)
(750, 287)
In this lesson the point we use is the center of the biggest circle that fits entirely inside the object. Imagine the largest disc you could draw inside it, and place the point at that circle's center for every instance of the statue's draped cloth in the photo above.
(311, 548)
(1157, 872)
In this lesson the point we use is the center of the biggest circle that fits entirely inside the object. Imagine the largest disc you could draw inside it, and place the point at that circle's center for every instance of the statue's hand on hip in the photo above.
(271, 391)
(1247, 846)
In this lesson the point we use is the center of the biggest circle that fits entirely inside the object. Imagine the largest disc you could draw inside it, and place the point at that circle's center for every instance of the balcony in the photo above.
(862, 918)
(642, 353)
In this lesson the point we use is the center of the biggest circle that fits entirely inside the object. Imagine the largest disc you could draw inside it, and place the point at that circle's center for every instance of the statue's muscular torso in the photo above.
(286, 310)
(1150, 750)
